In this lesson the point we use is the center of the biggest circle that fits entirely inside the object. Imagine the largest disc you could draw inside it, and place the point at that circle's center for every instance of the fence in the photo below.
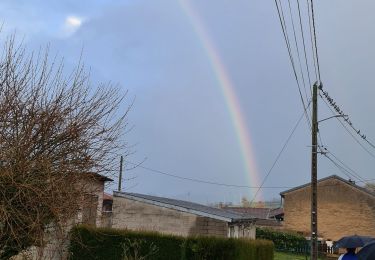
(303, 249)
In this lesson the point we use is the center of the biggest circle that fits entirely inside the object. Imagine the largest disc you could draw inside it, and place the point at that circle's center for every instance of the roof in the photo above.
(100, 177)
(268, 223)
(261, 213)
(186, 206)
(327, 178)
(107, 196)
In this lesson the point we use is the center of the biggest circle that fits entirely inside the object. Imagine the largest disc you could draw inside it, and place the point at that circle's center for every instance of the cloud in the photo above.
(73, 21)
(71, 25)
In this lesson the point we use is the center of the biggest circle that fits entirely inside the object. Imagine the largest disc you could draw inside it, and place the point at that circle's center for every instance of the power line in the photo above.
(346, 166)
(205, 181)
(347, 130)
(151, 170)
(346, 119)
(287, 42)
(342, 168)
(278, 156)
(315, 44)
(304, 47)
(324, 151)
(312, 42)
(298, 55)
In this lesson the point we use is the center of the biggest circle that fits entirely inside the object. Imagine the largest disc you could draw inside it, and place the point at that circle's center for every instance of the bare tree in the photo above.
(370, 186)
(55, 132)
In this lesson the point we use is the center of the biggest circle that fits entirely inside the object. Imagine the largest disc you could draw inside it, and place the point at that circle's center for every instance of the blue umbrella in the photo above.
(353, 241)
(367, 252)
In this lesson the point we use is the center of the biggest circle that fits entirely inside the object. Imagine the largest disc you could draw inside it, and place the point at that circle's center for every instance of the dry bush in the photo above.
(55, 130)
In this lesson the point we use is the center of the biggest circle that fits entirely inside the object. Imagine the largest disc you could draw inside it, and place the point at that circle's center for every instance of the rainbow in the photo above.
(228, 90)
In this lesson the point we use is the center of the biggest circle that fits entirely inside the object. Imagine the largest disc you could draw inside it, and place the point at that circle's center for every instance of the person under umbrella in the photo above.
(367, 252)
(350, 255)
(351, 243)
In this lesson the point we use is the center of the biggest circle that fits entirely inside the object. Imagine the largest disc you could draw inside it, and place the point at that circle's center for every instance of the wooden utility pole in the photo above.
(120, 175)
(314, 178)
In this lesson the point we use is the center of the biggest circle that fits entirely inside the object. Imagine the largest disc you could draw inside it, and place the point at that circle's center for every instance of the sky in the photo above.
(214, 90)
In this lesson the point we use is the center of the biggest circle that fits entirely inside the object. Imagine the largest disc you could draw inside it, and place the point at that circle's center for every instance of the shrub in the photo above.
(282, 240)
(104, 243)
(224, 248)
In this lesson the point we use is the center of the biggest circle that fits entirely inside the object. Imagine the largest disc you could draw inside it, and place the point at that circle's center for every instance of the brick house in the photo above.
(344, 208)
(144, 212)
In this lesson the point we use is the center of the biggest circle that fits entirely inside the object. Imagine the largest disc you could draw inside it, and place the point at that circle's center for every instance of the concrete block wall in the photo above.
(135, 215)
(342, 210)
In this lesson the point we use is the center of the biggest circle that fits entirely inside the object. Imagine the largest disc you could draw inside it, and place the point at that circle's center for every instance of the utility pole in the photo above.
(120, 175)
(314, 178)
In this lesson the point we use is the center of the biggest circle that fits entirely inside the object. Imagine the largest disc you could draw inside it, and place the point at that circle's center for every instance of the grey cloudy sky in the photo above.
(181, 120)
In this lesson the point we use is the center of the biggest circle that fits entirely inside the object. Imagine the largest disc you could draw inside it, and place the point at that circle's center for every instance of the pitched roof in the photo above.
(352, 184)
(100, 177)
(261, 213)
(185, 206)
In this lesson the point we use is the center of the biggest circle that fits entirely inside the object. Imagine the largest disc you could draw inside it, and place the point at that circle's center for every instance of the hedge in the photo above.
(285, 241)
(111, 244)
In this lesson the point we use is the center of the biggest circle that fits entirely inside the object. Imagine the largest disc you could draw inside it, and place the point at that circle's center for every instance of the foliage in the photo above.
(99, 243)
(132, 249)
(105, 243)
(282, 240)
(56, 131)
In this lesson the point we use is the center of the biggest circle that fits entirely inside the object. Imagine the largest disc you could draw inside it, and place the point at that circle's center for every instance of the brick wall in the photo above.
(342, 210)
(135, 215)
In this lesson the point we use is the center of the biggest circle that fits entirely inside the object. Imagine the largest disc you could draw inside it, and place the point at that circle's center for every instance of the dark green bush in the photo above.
(105, 243)
(227, 248)
(282, 240)
(110, 244)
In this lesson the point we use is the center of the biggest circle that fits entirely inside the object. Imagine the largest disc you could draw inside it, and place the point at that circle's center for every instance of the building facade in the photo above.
(150, 213)
(344, 208)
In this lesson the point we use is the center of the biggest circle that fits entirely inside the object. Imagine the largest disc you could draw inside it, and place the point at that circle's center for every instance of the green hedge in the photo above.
(288, 241)
(111, 244)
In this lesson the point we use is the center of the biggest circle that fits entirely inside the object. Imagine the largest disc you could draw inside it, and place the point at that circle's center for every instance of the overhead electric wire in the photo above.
(342, 124)
(324, 151)
(286, 38)
(304, 47)
(218, 183)
(278, 156)
(297, 49)
(205, 181)
(346, 117)
(312, 41)
(341, 168)
(315, 44)
(346, 166)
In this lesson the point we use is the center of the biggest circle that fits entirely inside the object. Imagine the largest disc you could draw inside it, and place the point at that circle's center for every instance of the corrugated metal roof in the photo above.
(186, 206)
(261, 213)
